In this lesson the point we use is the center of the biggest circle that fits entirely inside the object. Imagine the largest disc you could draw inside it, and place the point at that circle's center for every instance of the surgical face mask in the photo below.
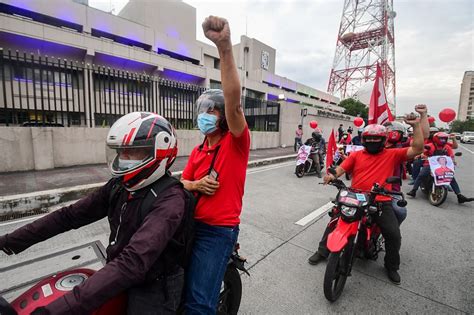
(374, 147)
(207, 123)
(127, 164)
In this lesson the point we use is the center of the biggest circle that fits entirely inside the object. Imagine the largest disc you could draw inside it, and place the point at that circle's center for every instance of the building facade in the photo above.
(65, 63)
(466, 97)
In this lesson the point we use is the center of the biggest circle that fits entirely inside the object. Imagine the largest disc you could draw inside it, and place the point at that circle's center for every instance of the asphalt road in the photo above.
(437, 255)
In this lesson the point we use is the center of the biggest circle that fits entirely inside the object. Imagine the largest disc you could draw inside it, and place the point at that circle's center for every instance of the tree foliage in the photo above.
(461, 126)
(354, 108)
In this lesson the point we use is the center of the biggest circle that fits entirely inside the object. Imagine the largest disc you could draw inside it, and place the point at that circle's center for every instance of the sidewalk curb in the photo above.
(39, 201)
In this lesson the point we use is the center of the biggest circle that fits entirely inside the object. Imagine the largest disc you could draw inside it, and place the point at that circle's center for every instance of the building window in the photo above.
(217, 63)
(215, 85)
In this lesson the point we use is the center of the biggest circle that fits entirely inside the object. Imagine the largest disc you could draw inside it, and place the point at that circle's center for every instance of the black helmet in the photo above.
(316, 136)
(209, 100)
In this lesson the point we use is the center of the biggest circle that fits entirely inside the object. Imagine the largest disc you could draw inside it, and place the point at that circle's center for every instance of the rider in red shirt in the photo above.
(372, 165)
(438, 146)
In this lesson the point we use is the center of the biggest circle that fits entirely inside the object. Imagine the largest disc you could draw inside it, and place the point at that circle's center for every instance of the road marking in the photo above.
(466, 149)
(270, 167)
(315, 214)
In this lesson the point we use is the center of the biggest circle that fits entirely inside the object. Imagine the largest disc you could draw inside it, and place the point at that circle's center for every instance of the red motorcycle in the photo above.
(354, 232)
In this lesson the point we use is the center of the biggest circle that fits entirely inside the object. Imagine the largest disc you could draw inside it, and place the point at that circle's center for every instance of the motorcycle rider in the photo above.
(357, 139)
(318, 150)
(216, 170)
(372, 165)
(144, 146)
(438, 146)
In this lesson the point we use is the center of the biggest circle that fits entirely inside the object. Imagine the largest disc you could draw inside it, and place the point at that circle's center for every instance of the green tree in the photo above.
(461, 126)
(354, 107)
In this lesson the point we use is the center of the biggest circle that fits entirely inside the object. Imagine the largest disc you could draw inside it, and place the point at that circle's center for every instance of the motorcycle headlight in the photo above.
(348, 211)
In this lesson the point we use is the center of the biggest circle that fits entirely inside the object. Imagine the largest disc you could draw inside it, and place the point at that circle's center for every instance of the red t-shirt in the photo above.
(367, 169)
(225, 206)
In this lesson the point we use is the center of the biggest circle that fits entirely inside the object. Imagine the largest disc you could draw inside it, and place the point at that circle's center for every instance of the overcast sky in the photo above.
(434, 41)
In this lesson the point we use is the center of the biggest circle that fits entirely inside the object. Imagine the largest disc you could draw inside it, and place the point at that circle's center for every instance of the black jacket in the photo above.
(133, 249)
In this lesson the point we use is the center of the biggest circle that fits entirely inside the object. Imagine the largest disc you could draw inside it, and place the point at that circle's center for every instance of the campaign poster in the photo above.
(303, 154)
(442, 169)
(353, 148)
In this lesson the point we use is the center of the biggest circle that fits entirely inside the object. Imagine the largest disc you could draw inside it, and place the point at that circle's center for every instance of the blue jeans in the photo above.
(400, 212)
(417, 165)
(212, 248)
(425, 171)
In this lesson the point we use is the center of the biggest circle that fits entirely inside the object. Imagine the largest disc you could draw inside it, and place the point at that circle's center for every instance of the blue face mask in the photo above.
(207, 123)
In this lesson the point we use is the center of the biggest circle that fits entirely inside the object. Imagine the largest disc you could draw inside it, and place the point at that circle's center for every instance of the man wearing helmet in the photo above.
(318, 150)
(438, 146)
(216, 171)
(372, 165)
(141, 146)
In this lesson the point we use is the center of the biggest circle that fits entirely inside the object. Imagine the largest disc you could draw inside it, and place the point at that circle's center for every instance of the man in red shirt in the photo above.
(216, 171)
(372, 165)
(438, 146)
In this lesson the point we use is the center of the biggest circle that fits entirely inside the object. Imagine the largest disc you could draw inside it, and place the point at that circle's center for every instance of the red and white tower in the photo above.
(366, 37)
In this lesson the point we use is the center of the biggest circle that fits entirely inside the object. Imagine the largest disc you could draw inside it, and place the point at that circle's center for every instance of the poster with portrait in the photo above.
(303, 154)
(442, 169)
(353, 148)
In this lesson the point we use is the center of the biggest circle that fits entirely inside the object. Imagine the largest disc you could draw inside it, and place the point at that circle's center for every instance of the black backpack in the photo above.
(179, 249)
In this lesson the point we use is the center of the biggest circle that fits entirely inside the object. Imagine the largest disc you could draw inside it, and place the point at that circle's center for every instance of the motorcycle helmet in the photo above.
(396, 131)
(433, 130)
(377, 134)
(440, 138)
(143, 147)
(210, 100)
(316, 136)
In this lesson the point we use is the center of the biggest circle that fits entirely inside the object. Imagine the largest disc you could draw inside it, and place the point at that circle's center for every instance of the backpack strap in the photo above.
(154, 191)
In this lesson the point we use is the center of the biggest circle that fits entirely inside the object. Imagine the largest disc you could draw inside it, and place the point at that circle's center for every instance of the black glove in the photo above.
(6, 308)
(40, 311)
(3, 243)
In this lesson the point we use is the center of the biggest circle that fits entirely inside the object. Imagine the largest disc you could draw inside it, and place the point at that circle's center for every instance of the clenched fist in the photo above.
(421, 109)
(217, 30)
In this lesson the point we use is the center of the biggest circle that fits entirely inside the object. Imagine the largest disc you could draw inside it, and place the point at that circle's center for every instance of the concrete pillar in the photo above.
(42, 140)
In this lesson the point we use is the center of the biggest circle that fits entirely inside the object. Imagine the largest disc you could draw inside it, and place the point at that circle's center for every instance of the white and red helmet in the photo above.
(142, 130)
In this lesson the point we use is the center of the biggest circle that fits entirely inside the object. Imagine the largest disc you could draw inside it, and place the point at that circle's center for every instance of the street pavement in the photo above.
(437, 266)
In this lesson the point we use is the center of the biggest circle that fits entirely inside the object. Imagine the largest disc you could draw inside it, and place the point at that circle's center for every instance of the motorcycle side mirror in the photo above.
(458, 153)
(332, 171)
(393, 180)
(402, 203)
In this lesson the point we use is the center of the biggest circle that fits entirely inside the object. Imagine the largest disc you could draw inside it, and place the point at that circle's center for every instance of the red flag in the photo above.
(379, 112)
(332, 148)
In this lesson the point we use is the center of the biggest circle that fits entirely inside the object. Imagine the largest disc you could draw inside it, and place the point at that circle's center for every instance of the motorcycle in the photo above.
(54, 286)
(437, 193)
(354, 232)
(305, 164)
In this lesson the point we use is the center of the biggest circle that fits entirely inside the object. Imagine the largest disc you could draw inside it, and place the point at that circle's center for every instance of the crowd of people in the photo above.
(140, 257)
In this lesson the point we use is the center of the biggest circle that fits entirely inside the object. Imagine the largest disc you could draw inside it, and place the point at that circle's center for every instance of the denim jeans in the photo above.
(417, 165)
(425, 171)
(212, 248)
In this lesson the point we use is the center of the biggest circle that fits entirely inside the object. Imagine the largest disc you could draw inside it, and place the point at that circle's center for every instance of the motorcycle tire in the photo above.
(231, 295)
(348, 176)
(437, 196)
(336, 272)
(299, 171)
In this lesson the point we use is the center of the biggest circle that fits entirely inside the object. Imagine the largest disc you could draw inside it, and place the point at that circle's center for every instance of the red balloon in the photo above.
(447, 115)
(313, 124)
(358, 121)
(431, 119)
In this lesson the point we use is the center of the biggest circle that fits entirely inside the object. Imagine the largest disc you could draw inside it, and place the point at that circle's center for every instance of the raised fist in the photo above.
(412, 119)
(421, 109)
(217, 30)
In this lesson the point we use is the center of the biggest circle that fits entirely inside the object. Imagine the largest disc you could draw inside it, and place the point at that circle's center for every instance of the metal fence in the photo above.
(46, 91)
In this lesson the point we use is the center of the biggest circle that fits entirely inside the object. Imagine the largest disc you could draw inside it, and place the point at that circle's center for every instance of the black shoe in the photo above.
(316, 258)
(393, 276)
(412, 193)
(318, 175)
(463, 199)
